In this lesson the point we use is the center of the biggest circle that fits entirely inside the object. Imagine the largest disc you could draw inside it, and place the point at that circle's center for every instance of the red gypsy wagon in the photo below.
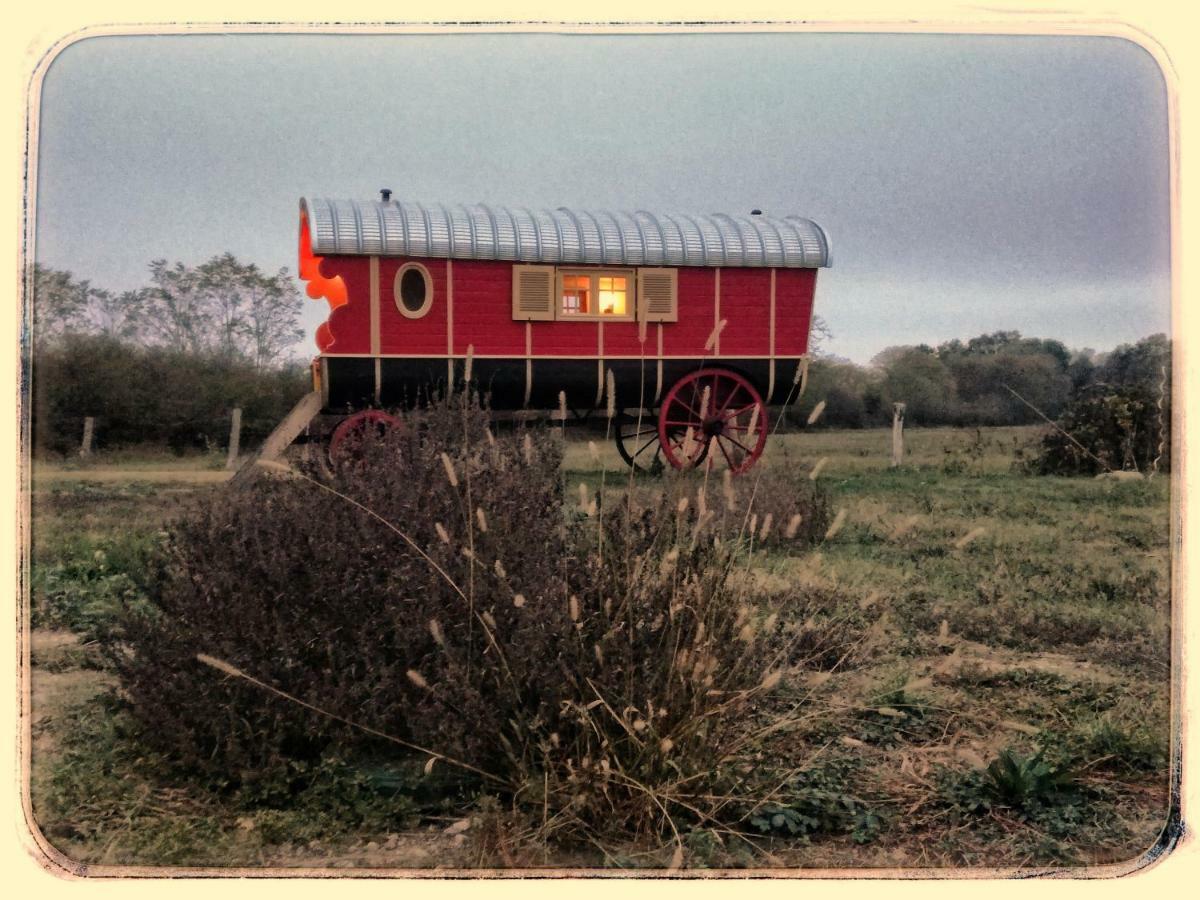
(702, 321)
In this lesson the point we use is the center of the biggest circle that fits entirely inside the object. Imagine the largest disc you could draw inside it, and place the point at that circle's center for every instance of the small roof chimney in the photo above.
(756, 212)
(385, 194)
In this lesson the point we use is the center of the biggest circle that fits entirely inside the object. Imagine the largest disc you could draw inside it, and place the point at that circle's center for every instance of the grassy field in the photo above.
(1004, 701)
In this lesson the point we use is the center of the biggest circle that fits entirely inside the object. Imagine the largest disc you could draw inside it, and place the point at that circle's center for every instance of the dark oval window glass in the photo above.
(412, 290)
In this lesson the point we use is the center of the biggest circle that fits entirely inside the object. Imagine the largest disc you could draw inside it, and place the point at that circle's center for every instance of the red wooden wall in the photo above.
(482, 314)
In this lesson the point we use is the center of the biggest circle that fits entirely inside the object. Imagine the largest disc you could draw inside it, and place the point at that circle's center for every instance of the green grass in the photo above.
(986, 612)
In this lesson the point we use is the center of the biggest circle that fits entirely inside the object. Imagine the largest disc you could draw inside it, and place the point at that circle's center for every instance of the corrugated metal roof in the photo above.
(404, 228)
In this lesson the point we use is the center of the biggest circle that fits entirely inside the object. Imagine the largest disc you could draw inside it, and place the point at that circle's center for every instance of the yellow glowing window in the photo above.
(596, 295)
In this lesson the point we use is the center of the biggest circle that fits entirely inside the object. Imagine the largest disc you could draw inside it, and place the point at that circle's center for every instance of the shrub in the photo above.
(597, 665)
(151, 395)
(1122, 419)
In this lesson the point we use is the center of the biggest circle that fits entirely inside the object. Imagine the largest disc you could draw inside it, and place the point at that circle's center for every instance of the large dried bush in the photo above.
(596, 663)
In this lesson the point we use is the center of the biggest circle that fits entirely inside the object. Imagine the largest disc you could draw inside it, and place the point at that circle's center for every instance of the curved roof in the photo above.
(404, 228)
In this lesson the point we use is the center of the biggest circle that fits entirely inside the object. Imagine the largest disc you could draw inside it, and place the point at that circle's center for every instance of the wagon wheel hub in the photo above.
(713, 426)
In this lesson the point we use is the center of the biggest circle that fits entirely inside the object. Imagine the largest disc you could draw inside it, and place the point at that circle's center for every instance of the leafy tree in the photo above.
(918, 378)
(173, 311)
(1120, 419)
(58, 303)
(224, 307)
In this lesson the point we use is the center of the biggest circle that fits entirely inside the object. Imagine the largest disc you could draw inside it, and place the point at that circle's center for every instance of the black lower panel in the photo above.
(406, 382)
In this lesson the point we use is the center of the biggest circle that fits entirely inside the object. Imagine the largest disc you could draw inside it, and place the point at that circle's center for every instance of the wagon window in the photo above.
(612, 295)
(595, 295)
(576, 289)
(413, 290)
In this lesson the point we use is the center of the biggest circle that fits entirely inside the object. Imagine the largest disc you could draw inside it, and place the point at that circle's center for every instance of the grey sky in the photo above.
(968, 183)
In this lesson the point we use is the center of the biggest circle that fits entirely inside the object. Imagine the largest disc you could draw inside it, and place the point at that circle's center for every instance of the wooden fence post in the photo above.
(235, 438)
(89, 428)
(897, 434)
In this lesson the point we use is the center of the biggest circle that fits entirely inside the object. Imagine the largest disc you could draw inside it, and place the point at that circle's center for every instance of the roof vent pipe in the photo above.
(756, 212)
(385, 194)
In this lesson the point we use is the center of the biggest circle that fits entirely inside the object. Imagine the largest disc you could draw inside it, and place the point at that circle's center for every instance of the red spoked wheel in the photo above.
(715, 413)
(347, 443)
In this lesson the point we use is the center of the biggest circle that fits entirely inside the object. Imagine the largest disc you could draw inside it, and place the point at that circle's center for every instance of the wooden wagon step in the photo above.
(281, 438)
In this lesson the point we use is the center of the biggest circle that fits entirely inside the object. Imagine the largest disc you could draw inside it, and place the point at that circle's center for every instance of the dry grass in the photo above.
(955, 612)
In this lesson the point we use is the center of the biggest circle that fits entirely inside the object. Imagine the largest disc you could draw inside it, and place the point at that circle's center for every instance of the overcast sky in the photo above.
(968, 184)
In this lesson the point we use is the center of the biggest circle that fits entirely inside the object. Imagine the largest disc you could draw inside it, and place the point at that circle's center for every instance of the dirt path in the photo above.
(42, 477)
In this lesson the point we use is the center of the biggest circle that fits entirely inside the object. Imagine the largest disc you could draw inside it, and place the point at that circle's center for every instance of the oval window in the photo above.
(413, 290)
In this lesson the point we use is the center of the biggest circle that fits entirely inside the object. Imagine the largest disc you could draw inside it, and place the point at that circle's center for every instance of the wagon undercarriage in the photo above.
(710, 416)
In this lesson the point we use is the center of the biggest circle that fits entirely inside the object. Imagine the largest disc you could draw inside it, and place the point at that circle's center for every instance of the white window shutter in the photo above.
(658, 295)
(533, 293)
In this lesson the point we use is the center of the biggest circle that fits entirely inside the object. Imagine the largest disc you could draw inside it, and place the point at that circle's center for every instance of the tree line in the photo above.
(1113, 409)
(166, 363)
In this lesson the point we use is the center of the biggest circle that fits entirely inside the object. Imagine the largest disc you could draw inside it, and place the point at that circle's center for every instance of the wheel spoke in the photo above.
(736, 441)
(740, 410)
(737, 389)
(721, 447)
(642, 449)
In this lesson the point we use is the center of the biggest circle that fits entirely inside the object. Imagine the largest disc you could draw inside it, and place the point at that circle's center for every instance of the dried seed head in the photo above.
(715, 335)
(968, 537)
(442, 534)
(689, 443)
(573, 608)
(488, 619)
(599, 654)
(220, 665)
(665, 745)
(705, 396)
(451, 475)
(608, 606)
(435, 629)
(562, 406)
(816, 412)
(499, 567)
(801, 374)
(415, 677)
(836, 525)
(527, 447)
(766, 526)
(470, 359)
(701, 499)
(610, 388)
(682, 505)
(491, 438)
(771, 680)
(594, 451)
(668, 561)
(753, 523)
(752, 431)
(816, 470)
(429, 764)
(639, 725)
(793, 525)
(769, 622)
(554, 738)
(518, 600)
(481, 519)
(583, 496)
(747, 633)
